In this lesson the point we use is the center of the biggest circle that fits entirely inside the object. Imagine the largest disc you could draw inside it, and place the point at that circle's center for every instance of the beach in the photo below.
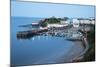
(74, 53)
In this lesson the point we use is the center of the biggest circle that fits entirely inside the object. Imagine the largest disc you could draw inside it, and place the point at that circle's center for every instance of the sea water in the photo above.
(38, 49)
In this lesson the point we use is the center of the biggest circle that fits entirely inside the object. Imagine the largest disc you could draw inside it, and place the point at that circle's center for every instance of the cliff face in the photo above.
(90, 54)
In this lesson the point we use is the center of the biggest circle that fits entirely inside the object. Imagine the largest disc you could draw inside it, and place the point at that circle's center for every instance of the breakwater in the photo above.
(30, 33)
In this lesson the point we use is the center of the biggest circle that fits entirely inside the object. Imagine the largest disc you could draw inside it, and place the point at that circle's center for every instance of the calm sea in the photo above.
(38, 49)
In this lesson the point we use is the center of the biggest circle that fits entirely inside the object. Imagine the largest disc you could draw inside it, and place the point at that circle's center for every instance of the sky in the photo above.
(34, 9)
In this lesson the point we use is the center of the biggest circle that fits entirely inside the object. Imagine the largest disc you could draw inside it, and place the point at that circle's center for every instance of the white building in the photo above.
(56, 25)
(87, 21)
(93, 22)
(64, 22)
(75, 23)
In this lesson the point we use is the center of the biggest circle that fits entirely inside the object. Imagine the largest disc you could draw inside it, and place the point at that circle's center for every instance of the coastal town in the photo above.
(51, 33)
(78, 29)
(61, 27)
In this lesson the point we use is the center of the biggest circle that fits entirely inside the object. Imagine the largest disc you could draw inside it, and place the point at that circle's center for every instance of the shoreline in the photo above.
(78, 57)
(75, 51)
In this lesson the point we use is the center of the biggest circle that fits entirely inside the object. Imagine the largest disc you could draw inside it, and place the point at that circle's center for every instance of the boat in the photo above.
(74, 36)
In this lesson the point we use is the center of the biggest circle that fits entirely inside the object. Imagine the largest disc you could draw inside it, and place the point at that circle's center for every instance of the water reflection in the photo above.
(24, 36)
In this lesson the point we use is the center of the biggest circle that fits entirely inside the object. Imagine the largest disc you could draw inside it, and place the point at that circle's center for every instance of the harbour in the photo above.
(60, 40)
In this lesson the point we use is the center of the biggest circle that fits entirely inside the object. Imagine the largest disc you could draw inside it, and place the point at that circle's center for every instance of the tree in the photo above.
(53, 20)
(44, 24)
